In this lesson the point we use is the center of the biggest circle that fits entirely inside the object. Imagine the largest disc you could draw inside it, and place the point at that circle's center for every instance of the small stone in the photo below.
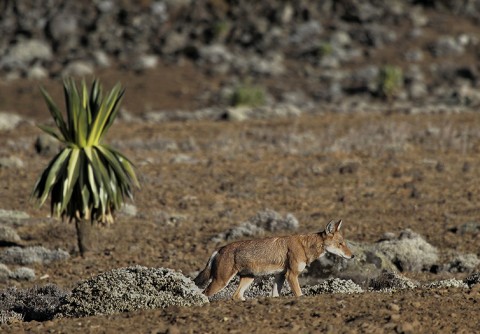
(9, 121)
(393, 307)
(78, 68)
(11, 162)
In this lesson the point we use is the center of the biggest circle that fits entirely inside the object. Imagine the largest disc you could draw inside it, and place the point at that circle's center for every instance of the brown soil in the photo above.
(400, 171)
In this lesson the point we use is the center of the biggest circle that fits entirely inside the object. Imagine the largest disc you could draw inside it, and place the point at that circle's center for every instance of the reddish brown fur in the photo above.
(286, 257)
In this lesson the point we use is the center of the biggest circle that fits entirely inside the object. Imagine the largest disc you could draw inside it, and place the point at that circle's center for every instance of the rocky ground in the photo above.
(361, 111)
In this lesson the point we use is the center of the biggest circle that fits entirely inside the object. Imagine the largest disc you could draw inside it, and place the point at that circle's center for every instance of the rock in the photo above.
(183, 115)
(63, 29)
(128, 210)
(9, 121)
(262, 222)
(11, 162)
(78, 68)
(243, 112)
(367, 264)
(447, 46)
(409, 252)
(8, 236)
(47, 145)
(22, 274)
(305, 33)
(463, 263)
(174, 42)
(12, 217)
(101, 59)
(25, 52)
(37, 72)
(145, 62)
(471, 227)
(32, 255)
(129, 289)
(4, 273)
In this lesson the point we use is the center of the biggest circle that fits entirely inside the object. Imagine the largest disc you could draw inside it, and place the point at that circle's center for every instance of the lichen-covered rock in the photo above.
(9, 121)
(129, 289)
(391, 281)
(463, 263)
(447, 283)
(30, 255)
(267, 220)
(12, 216)
(409, 251)
(8, 236)
(4, 273)
(23, 274)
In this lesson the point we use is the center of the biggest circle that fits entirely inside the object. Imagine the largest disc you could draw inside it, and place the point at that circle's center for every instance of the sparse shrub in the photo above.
(220, 29)
(248, 95)
(325, 49)
(391, 281)
(37, 303)
(447, 283)
(390, 81)
(473, 279)
(129, 289)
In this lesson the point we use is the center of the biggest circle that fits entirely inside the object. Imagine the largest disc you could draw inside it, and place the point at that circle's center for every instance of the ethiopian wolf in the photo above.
(285, 257)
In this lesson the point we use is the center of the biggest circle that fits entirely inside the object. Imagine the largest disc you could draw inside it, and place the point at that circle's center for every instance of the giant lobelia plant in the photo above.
(87, 180)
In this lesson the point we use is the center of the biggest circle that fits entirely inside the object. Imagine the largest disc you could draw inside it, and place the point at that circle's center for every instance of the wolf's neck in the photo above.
(314, 246)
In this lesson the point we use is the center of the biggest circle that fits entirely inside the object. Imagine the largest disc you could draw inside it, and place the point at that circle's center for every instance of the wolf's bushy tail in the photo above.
(204, 276)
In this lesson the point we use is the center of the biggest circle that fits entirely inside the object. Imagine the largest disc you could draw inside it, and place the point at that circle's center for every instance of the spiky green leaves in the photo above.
(87, 179)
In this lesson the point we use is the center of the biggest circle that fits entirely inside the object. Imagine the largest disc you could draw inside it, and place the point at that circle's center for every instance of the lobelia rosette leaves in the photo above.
(86, 179)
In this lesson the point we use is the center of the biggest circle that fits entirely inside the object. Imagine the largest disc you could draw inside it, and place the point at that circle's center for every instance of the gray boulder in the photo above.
(26, 51)
(367, 264)
(129, 289)
(463, 263)
(262, 222)
(8, 236)
(11, 162)
(12, 217)
(409, 251)
(4, 273)
(23, 274)
(31, 255)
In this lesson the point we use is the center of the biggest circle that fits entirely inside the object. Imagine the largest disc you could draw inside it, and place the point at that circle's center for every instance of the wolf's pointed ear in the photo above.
(330, 228)
(338, 225)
